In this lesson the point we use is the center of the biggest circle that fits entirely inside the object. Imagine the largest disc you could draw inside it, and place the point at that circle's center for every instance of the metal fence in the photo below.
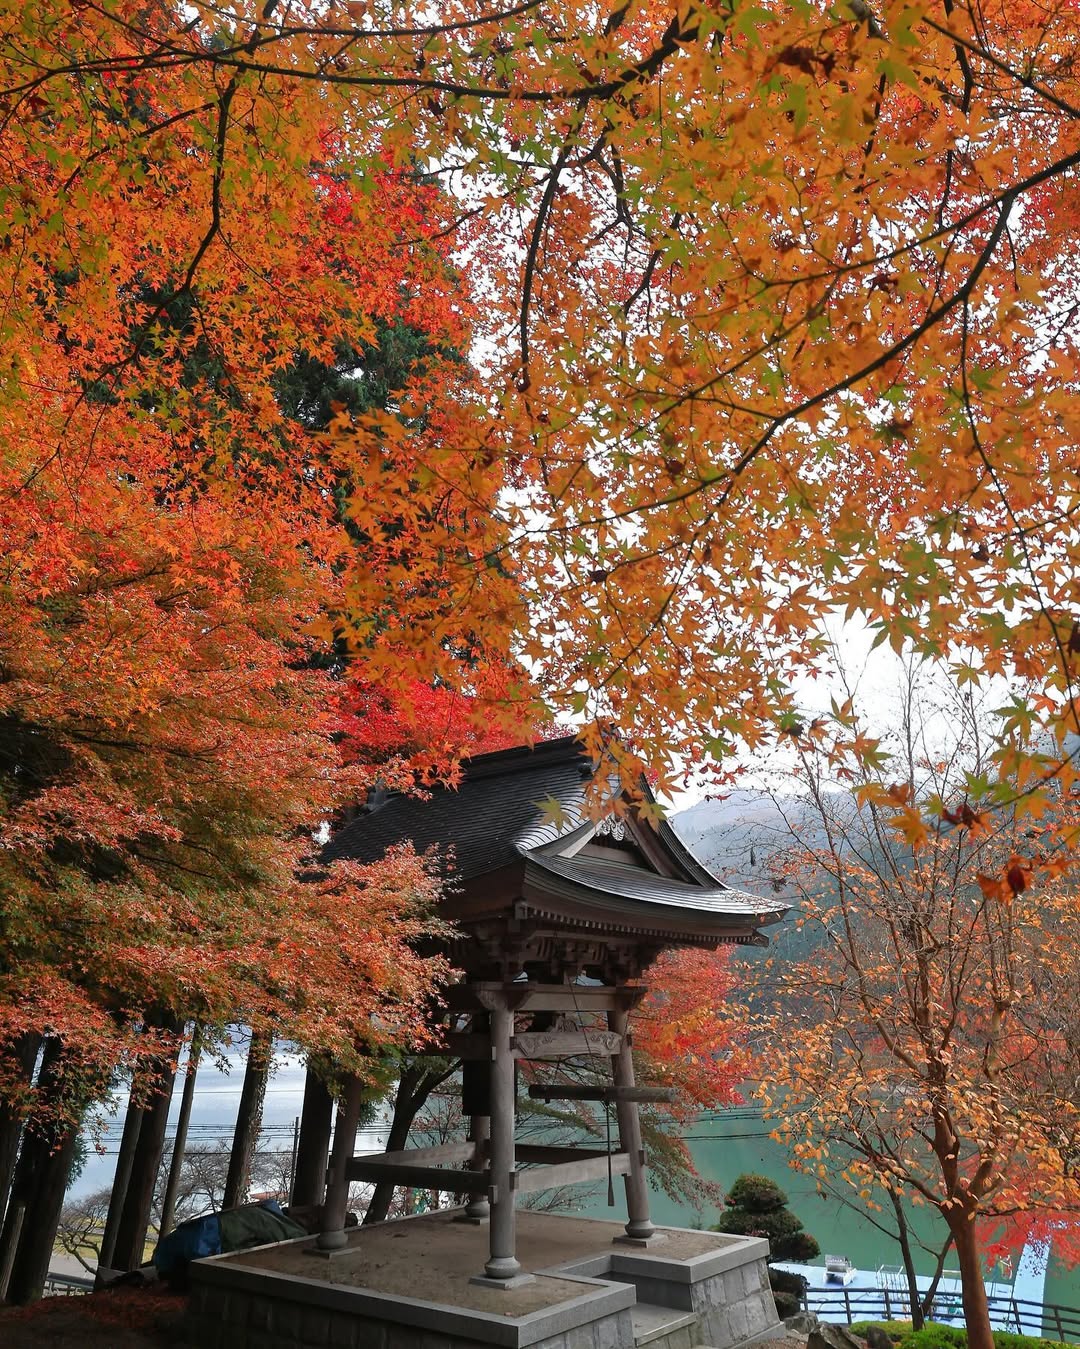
(64, 1285)
(1044, 1319)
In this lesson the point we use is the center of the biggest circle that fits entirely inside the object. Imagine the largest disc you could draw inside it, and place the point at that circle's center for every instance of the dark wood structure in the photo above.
(560, 915)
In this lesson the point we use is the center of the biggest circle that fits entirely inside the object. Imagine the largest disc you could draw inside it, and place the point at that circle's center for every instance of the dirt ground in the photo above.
(433, 1258)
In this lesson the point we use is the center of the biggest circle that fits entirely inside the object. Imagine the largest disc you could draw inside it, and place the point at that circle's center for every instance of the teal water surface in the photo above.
(725, 1146)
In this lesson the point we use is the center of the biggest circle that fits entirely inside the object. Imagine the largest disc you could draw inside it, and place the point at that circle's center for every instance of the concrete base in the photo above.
(503, 1285)
(642, 1243)
(409, 1286)
(726, 1289)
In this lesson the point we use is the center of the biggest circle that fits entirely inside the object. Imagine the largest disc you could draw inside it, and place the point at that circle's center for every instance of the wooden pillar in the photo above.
(639, 1226)
(332, 1225)
(503, 1263)
(476, 1103)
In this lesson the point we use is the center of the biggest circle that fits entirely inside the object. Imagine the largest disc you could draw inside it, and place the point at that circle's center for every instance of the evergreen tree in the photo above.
(757, 1207)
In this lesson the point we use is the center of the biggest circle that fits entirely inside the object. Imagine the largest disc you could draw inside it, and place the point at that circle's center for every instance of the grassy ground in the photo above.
(947, 1337)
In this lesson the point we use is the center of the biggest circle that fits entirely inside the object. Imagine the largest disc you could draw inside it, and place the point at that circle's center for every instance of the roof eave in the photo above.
(541, 886)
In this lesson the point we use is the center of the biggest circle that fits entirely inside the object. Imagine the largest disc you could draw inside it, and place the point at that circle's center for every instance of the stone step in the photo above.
(662, 1327)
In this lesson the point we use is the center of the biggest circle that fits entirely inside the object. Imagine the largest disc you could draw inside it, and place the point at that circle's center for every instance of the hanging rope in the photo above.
(610, 1181)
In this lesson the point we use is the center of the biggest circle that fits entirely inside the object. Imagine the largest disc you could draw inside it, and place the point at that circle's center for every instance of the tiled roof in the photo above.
(495, 819)
(485, 819)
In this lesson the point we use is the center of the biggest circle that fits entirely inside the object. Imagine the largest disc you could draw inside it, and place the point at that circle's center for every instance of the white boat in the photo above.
(839, 1269)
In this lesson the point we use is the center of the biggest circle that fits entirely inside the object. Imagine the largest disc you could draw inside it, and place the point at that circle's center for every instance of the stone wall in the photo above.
(734, 1306)
(247, 1320)
(728, 1292)
(235, 1308)
(254, 1321)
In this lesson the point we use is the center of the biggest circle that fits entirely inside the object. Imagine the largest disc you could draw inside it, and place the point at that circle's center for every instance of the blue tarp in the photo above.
(236, 1229)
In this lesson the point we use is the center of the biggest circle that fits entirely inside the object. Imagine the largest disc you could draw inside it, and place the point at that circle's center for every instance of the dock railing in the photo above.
(1044, 1319)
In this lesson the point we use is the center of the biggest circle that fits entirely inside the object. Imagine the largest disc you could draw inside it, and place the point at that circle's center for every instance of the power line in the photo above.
(721, 1138)
(286, 1135)
(298, 1090)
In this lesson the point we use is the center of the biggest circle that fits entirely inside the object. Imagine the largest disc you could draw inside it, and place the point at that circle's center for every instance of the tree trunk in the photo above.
(248, 1122)
(935, 1278)
(130, 1249)
(168, 1203)
(973, 1289)
(23, 1057)
(41, 1186)
(413, 1090)
(316, 1122)
(37, 1191)
(904, 1238)
(9, 1242)
(418, 1080)
(125, 1158)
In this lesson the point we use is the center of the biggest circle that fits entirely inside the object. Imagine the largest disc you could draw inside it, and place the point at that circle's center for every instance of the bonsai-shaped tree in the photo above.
(757, 1207)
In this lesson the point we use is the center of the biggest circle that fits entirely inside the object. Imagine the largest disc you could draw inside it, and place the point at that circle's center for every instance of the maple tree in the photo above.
(774, 318)
(417, 735)
(687, 1037)
(168, 731)
(918, 1049)
(166, 735)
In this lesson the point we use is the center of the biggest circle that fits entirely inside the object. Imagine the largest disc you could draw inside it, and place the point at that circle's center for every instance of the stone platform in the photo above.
(405, 1285)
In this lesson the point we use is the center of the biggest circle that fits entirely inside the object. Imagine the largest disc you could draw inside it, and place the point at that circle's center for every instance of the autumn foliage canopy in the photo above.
(773, 304)
(771, 314)
(172, 534)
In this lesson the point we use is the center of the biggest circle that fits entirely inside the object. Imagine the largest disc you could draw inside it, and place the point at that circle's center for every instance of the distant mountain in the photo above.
(738, 836)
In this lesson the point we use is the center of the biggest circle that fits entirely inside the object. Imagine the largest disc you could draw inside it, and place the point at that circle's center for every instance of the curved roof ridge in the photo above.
(648, 888)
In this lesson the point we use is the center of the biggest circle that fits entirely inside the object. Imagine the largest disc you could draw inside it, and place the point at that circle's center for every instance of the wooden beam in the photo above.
(526, 997)
(565, 1044)
(609, 1095)
(464, 1151)
(570, 1173)
(542, 1152)
(472, 996)
(417, 1177)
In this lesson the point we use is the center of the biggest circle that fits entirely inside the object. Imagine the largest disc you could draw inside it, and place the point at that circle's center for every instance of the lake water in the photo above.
(732, 1142)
